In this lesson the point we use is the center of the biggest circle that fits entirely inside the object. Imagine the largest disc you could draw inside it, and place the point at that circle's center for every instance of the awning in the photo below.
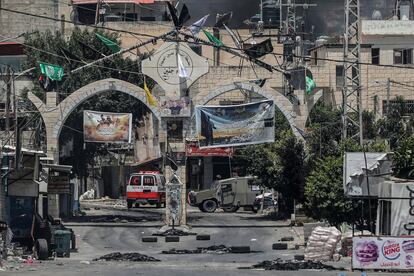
(77, 2)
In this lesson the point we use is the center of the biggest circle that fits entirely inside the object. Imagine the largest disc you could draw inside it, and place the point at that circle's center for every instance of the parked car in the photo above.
(268, 202)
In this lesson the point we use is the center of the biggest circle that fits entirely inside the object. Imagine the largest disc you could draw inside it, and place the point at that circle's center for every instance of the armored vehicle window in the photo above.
(226, 188)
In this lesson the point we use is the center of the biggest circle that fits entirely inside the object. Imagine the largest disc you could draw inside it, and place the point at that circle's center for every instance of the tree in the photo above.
(404, 158)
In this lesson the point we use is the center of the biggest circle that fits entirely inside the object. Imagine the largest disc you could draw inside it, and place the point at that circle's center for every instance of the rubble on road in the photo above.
(322, 244)
(113, 218)
(132, 257)
(89, 194)
(174, 232)
(290, 265)
(214, 249)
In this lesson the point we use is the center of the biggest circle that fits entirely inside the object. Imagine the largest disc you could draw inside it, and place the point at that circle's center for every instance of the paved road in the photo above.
(95, 239)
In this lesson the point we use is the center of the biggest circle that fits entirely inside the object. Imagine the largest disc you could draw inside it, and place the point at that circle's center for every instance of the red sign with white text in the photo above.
(193, 150)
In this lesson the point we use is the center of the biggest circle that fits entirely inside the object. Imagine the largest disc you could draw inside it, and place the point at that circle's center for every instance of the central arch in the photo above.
(54, 115)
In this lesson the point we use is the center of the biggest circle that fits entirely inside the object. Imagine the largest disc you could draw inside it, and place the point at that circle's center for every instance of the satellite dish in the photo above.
(376, 15)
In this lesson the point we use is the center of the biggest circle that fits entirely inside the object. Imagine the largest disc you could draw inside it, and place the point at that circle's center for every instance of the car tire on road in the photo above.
(209, 206)
(232, 209)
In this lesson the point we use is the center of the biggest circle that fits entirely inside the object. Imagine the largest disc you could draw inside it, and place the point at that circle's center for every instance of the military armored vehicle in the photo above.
(229, 194)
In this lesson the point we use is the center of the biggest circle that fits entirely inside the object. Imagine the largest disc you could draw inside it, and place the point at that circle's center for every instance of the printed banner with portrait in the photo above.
(235, 125)
(104, 127)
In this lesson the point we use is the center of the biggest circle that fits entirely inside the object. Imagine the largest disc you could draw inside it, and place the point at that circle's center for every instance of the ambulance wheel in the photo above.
(209, 205)
(129, 204)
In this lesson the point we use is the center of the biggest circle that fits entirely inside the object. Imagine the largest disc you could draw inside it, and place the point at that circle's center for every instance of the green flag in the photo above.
(213, 39)
(53, 72)
(109, 43)
(310, 85)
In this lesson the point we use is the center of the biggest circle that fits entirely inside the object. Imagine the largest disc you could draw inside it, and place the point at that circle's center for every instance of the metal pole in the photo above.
(8, 92)
(388, 95)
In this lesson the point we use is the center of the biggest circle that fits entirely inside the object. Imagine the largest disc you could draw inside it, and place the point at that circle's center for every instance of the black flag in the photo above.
(184, 16)
(173, 13)
(223, 19)
(261, 49)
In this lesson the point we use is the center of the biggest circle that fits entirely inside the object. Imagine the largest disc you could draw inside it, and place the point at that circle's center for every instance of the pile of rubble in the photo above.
(289, 265)
(113, 218)
(322, 244)
(132, 257)
(215, 249)
(174, 232)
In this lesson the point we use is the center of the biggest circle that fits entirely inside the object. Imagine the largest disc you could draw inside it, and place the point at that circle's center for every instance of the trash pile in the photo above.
(113, 218)
(174, 232)
(215, 249)
(290, 265)
(132, 257)
(89, 194)
(322, 244)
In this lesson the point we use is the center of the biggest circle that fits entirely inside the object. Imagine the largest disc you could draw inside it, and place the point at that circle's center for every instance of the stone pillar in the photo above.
(53, 205)
(51, 99)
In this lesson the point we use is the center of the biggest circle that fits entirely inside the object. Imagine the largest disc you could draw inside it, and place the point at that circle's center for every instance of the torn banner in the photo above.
(235, 125)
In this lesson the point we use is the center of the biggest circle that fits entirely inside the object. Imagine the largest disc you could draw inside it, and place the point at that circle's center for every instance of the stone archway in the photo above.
(295, 114)
(54, 115)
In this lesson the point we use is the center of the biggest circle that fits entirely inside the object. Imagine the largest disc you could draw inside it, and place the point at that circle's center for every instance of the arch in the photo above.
(255, 89)
(70, 103)
(54, 115)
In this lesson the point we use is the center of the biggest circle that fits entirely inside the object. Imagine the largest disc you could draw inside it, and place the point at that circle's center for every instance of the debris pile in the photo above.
(113, 218)
(290, 265)
(214, 249)
(322, 243)
(174, 232)
(132, 257)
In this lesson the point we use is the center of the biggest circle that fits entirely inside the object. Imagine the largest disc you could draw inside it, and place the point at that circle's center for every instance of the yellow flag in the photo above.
(150, 98)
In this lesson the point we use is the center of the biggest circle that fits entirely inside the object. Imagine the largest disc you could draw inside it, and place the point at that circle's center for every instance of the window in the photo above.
(15, 62)
(135, 181)
(314, 57)
(339, 76)
(375, 56)
(226, 188)
(403, 56)
(385, 217)
(175, 130)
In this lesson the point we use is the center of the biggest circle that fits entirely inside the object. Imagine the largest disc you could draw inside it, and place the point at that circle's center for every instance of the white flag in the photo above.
(182, 72)
(233, 36)
(196, 27)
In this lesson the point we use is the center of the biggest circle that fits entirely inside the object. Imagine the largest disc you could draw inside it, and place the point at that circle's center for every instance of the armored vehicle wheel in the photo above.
(200, 206)
(41, 249)
(209, 205)
(231, 209)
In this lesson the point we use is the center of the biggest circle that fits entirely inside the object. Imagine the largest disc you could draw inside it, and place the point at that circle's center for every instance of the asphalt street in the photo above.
(96, 238)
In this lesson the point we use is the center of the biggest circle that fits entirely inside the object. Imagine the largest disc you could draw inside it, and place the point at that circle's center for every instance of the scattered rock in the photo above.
(85, 262)
(174, 232)
(279, 246)
(214, 249)
(172, 239)
(279, 264)
(149, 239)
(132, 257)
(203, 237)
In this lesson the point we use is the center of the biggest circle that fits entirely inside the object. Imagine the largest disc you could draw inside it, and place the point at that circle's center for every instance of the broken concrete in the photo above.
(289, 265)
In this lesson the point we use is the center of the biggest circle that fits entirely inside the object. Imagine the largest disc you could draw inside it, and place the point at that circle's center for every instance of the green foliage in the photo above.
(324, 194)
(47, 47)
(404, 158)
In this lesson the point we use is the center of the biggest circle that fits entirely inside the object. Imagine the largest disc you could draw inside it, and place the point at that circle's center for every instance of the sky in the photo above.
(328, 17)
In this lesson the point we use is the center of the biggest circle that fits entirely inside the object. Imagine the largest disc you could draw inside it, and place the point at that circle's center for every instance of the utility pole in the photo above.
(7, 80)
(98, 12)
(351, 92)
(388, 95)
